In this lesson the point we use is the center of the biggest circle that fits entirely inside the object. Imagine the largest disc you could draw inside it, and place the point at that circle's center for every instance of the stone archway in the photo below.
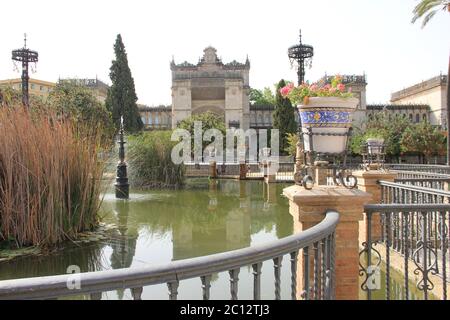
(208, 108)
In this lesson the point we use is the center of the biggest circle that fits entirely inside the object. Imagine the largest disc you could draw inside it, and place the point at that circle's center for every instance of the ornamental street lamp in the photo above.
(25, 56)
(301, 54)
(373, 154)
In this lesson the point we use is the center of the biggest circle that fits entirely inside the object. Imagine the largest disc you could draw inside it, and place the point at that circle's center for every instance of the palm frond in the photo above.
(426, 9)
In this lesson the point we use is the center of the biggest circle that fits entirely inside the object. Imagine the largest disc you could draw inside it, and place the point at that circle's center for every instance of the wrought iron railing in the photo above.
(433, 183)
(316, 246)
(285, 170)
(419, 167)
(418, 233)
(403, 174)
(392, 192)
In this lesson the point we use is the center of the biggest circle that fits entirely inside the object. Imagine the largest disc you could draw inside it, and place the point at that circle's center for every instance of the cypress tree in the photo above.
(283, 117)
(121, 98)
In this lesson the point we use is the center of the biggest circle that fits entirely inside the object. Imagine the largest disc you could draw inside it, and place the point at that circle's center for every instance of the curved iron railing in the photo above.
(416, 232)
(319, 283)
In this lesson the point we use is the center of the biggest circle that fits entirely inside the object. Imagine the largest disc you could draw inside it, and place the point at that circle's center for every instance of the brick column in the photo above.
(213, 169)
(368, 182)
(242, 171)
(308, 208)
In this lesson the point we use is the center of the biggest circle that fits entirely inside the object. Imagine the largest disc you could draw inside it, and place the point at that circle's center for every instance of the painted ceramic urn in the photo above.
(326, 122)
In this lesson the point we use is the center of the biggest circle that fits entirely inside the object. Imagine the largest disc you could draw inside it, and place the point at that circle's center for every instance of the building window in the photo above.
(424, 117)
(144, 120)
(32, 86)
(150, 119)
(410, 117)
(417, 118)
(41, 88)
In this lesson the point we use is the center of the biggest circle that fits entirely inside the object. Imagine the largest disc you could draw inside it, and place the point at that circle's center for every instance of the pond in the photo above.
(155, 227)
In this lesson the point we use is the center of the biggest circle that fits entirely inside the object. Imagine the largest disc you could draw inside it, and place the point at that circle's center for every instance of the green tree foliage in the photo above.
(292, 140)
(80, 104)
(262, 97)
(12, 97)
(208, 119)
(426, 9)
(121, 98)
(283, 117)
(423, 138)
(150, 163)
(380, 125)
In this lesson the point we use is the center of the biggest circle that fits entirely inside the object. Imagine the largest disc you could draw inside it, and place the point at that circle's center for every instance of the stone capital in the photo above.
(311, 205)
(371, 177)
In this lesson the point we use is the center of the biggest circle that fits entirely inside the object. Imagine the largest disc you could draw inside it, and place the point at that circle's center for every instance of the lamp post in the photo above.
(301, 53)
(122, 186)
(25, 56)
(373, 154)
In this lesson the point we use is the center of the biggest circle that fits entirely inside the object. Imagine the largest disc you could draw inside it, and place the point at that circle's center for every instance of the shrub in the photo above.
(150, 163)
(50, 178)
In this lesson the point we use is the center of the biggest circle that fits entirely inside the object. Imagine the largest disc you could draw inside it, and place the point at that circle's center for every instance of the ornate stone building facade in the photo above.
(414, 112)
(432, 92)
(156, 118)
(213, 86)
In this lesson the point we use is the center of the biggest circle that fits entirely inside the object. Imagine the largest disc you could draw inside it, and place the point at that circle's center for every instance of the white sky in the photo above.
(75, 39)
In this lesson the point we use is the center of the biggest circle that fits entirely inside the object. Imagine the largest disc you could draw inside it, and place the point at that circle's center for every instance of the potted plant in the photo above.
(326, 111)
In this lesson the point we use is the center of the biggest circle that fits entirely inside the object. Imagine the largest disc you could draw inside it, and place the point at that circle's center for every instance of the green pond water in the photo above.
(155, 227)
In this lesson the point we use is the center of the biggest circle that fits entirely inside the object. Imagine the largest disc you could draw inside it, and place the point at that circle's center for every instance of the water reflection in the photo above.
(208, 216)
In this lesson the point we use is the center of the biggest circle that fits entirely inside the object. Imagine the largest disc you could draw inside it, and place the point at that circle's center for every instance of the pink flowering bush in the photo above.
(302, 93)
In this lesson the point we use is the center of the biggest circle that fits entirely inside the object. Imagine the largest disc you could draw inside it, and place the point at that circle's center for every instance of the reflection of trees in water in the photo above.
(220, 216)
(89, 257)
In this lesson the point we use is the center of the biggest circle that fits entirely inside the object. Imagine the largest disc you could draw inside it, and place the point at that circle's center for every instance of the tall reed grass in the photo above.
(50, 178)
(150, 162)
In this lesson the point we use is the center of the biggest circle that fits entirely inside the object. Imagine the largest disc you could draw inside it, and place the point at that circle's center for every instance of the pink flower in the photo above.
(313, 87)
(349, 90)
(332, 90)
(290, 85)
(285, 91)
(327, 87)
(341, 87)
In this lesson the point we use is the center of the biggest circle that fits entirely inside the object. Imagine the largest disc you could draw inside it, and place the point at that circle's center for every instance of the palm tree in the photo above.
(426, 9)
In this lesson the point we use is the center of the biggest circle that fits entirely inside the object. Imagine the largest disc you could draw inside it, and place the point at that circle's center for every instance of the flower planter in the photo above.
(329, 119)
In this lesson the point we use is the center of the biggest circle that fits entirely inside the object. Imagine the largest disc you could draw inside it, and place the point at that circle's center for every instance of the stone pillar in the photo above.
(242, 171)
(308, 208)
(212, 169)
(320, 176)
(446, 188)
(271, 175)
(368, 182)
